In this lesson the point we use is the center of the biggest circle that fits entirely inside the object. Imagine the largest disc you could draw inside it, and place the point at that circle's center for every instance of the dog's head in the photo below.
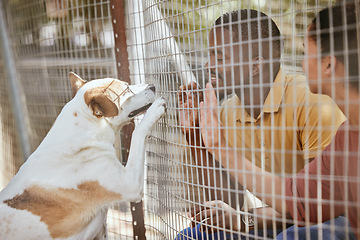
(113, 99)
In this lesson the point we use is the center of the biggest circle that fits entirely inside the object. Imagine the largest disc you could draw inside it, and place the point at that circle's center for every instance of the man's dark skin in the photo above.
(231, 64)
(227, 69)
(213, 176)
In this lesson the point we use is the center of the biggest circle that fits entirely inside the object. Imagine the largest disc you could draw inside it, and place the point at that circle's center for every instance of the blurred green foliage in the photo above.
(191, 20)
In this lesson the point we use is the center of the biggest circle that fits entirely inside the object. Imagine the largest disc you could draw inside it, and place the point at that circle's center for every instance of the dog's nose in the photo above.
(151, 87)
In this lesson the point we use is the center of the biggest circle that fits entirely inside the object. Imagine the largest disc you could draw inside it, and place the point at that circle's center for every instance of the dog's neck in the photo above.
(87, 129)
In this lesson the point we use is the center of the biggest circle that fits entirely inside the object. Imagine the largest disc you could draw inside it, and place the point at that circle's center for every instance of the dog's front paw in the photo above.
(159, 108)
(154, 113)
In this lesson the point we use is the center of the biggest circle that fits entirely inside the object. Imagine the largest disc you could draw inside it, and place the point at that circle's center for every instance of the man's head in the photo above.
(245, 50)
(332, 46)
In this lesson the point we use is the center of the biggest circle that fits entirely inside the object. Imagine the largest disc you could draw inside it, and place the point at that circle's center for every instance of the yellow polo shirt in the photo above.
(294, 125)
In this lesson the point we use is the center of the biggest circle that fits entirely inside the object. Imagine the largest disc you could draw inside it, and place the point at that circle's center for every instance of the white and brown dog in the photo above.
(64, 189)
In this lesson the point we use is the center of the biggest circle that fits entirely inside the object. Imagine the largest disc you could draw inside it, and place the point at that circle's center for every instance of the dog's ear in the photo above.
(100, 104)
(76, 82)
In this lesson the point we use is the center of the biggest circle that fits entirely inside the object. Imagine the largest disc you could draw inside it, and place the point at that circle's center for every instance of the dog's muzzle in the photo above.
(142, 109)
(114, 91)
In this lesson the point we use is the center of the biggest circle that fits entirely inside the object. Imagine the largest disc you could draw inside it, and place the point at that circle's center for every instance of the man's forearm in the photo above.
(267, 217)
(269, 185)
(220, 182)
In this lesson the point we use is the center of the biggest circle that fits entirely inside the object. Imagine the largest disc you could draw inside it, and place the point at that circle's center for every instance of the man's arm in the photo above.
(219, 215)
(219, 182)
(277, 191)
(218, 147)
(267, 217)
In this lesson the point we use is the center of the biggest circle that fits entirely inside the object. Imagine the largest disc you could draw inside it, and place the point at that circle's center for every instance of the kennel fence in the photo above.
(167, 44)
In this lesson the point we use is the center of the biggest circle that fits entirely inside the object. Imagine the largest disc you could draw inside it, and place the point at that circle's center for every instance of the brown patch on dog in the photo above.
(100, 103)
(66, 212)
(75, 114)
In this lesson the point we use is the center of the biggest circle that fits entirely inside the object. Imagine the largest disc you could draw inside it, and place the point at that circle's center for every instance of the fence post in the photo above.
(123, 72)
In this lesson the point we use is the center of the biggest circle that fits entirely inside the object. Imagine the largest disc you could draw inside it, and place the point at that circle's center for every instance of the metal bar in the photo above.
(136, 38)
(182, 67)
(123, 72)
(17, 96)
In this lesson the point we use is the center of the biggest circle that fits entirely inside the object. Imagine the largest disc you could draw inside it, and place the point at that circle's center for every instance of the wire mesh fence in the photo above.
(258, 57)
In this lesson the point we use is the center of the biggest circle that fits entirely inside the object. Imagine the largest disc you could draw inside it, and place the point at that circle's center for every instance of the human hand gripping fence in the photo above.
(188, 98)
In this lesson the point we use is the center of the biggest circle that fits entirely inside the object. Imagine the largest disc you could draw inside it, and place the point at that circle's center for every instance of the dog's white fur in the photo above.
(65, 187)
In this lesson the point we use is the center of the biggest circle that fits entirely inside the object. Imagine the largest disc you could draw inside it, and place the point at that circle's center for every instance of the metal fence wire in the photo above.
(224, 161)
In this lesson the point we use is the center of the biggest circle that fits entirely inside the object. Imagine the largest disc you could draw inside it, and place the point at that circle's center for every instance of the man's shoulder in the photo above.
(297, 93)
(298, 81)
(296, 84)
(297, 89)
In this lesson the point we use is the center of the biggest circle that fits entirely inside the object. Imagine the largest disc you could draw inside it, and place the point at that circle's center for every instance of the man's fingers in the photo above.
(201, 106)
(210, 96)
(189, 87)
(197, 214)
(193, 86)
(203, 217)
(210, 102)
(202, 116)
(210, 221)
(185, 99)
(180, 95)
(213, 216)
(205, 224)
(204, 214)
(194, 211)
(190, 92)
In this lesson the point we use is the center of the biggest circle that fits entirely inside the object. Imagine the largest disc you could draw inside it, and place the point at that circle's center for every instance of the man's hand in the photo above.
(215, 216)
(210, 124)
(189, 97)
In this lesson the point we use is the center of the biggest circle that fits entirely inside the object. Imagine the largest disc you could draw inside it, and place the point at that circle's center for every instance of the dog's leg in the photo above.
(102, 234)
(134, 170)
(135, 163)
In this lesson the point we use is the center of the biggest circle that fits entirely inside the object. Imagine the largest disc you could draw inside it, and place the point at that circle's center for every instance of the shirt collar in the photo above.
(275, 96)
(271, 104)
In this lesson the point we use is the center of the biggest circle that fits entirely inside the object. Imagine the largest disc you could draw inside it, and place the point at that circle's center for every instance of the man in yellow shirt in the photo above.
(270, 117)
(293, 124)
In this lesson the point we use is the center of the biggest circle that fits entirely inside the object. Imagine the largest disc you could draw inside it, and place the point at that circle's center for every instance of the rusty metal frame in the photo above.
(123, 73)
(17, 96)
